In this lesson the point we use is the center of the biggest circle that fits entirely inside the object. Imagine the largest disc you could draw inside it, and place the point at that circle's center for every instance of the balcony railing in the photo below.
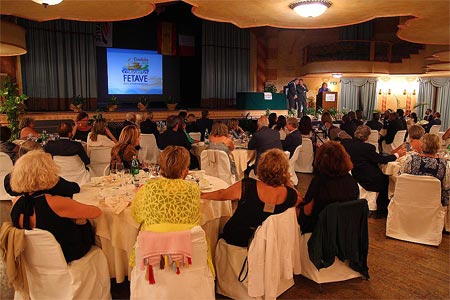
(359, 50)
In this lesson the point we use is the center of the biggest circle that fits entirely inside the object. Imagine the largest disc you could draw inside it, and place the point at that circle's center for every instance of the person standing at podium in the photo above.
(292, 93)
(302, 89)
(324, 88)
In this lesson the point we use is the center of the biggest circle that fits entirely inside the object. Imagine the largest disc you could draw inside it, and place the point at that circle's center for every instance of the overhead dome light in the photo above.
(310, 8)
(336, 75)
(48, 2)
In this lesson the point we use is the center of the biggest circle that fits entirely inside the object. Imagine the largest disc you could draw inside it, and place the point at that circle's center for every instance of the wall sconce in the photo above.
(414, 92)
(389, 91)
(404, 92)
(380, 92)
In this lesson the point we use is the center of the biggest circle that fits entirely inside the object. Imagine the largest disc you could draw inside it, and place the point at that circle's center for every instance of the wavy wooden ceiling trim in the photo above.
(429, 23)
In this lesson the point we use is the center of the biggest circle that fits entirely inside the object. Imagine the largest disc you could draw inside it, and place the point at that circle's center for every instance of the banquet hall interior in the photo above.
(235, 59)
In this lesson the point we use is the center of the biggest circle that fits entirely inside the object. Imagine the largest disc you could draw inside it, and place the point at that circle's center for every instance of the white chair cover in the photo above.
(373, 139)
(338, 271)
(217, 163)
(305, 159)
(273, 258)
(50, 277)
(100, 159)
(72, 168)
(398, 140)
(193, 282)
(415, 213)
(149, 149)
(195, 135)
(371, 197)
(6, 166)
(435, 129)
(294, 179)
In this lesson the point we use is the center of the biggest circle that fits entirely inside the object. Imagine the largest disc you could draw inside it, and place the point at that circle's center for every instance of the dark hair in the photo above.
(352, 115)
(205, 113)
(400, 112)
(5, 133)
(346, 118)
(359, 114)
(81, 115)
(182, 114)
(272, 119)
(414, 117)
(281, 123)
(64, 129)
(332, 160)
(305, 125)
(376, 116)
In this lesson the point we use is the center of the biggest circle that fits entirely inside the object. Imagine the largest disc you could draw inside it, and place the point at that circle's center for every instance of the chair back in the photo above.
(346, 221)
(305, 159)
(415, 213)
(398, 139)
(435, 129)
(193, 282)
(373, 139)
(196, 136)
(72, 168)
(100, 158)
(6, 166)
(149, 149)
(273, 258)
(294, 179)
(85, 278)
(217, 163)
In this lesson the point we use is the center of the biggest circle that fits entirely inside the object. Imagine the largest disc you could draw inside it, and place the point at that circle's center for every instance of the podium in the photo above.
(326, 100)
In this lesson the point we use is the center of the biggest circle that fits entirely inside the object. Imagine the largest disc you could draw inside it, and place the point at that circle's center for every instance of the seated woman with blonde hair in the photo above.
(332, 183)
(27, 130)
(63, 217)
(125, 149)
(428, 163)
(169, 203)
(100, 136)
(258, 199)
(415, 133)
(220, 140)
(234, 128)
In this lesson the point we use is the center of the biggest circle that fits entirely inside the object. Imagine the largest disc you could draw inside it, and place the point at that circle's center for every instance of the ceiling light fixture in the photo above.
(47, 2)
(310, 8)
(336, 75)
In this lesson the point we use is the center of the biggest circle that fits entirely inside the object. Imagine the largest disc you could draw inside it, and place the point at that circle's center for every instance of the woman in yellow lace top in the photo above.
(169, 203)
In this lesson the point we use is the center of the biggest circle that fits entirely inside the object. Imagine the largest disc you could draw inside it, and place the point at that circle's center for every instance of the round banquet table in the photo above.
(116, 230)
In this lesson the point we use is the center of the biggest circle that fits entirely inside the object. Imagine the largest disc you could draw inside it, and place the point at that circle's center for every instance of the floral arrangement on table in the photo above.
(77, 103)
(292, 113)
(112, 106)
(12, 104)
(270, 88)
(142, 103)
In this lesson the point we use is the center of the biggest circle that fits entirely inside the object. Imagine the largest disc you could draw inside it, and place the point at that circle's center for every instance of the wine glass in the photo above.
(120, 170)
(156, 170)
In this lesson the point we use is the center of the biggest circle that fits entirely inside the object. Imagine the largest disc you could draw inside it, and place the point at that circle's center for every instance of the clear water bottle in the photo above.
(206, 136)
(134, 166)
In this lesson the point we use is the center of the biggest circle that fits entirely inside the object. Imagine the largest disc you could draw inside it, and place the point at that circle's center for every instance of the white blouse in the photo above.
(102, 141)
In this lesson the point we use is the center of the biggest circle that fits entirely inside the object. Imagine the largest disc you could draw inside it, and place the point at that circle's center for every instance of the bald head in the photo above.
(263, 121)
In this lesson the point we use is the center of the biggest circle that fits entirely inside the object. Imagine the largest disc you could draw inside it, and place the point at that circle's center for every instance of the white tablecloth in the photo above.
(116, 233)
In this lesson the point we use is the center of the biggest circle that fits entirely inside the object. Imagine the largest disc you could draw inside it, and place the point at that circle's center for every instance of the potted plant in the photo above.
(292, 113)
(112, 106)
(142, 103)
(271, 88)
(12, 104)
(267, 112)
(171, 103)
(77, 103)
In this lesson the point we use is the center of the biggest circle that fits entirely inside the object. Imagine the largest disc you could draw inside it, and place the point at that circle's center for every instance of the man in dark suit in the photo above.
(292, 93)
(173, 137)
(375, 123)
(148, 126)
(428, 115)
(365, 166)
(347, 125)
(294, 138)
(204, 123)
(302, 89)
(65, 146)
(436, 120)
(264, 139)
(394, 125)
